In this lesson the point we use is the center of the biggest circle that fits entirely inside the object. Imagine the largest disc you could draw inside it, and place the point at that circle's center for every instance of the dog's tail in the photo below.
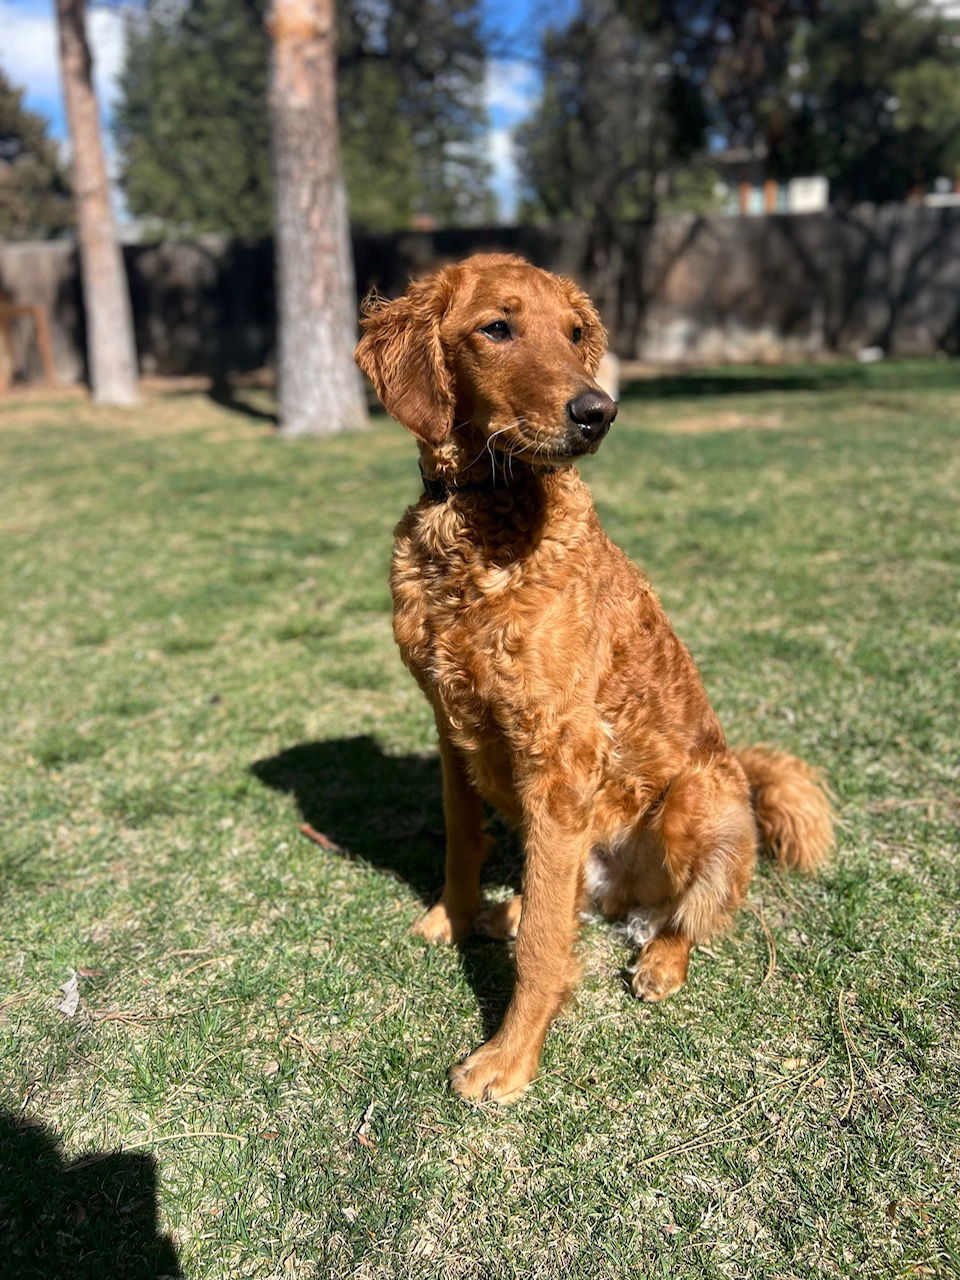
(791, 806)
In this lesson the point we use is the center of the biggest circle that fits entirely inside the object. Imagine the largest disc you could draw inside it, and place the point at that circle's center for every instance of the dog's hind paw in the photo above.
(661, 968)
(501, 919)
(440, 925)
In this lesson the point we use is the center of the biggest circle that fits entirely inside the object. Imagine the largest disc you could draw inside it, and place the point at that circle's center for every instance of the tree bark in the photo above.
(111, 351)
(320, 388)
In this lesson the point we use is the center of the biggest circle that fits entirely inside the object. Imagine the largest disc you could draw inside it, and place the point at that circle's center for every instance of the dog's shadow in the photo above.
(386, 811)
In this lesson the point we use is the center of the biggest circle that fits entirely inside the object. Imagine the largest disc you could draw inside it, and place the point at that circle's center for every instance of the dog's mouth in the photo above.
(538, 451)
(563, 453)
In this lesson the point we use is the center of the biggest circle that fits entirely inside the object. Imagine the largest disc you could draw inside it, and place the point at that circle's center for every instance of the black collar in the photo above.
(435, 488)
(438, 490)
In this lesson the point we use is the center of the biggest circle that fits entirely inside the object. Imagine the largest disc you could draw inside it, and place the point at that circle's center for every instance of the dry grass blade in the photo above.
(720, 1133)
(771, 945)
(845, 1110)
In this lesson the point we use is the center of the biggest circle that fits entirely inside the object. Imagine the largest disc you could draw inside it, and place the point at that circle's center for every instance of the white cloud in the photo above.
(108, 40)
(28, 52)
(28, 55)
(510, 89)
(502, 155)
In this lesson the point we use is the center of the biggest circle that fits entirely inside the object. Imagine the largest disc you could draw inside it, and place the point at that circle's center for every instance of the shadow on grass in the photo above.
(224, 393)
(738, 382)
(382, 810)
(93, 1217)
(387, 811)
(746, 380)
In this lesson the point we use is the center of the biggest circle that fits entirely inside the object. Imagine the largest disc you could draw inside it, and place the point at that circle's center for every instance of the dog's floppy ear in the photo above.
(594, 340)
(401, 354)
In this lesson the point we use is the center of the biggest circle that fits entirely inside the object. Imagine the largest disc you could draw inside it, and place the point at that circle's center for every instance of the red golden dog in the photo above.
(562, 695)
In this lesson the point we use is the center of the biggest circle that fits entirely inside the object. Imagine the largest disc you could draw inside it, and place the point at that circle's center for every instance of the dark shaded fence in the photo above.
(688, 289)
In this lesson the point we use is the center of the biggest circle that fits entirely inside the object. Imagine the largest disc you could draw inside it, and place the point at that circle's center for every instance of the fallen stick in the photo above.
(319, 838)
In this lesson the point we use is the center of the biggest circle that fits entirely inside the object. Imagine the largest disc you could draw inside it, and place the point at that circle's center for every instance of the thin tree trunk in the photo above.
(320, 388)
(111, 351)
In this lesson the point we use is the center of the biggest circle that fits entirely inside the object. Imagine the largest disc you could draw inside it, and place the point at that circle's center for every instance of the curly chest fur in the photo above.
(487, 620)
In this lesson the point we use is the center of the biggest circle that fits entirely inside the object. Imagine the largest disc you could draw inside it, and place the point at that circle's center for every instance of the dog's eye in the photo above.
(576, 335)
(499, 331)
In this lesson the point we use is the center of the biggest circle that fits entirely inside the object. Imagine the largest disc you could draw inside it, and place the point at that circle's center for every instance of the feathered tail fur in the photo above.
(791, 806)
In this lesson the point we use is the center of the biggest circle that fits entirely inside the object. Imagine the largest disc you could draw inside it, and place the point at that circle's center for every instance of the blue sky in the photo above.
(28, 56)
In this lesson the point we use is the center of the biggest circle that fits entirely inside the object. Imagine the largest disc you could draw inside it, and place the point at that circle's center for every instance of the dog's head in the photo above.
(496, 348)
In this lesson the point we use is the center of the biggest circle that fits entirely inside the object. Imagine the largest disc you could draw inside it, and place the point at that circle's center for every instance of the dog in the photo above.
(561, 694)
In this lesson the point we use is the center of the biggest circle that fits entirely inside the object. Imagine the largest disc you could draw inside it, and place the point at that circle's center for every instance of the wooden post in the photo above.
(41, 329)
(41, 323)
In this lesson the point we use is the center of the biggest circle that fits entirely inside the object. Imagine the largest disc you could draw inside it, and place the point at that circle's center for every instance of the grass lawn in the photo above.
(197, 657)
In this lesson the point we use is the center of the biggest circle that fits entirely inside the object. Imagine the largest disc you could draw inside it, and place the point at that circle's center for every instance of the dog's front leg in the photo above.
(556, 854)
(460, 902)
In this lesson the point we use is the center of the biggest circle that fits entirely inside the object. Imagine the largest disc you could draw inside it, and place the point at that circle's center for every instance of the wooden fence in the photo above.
(687, 290)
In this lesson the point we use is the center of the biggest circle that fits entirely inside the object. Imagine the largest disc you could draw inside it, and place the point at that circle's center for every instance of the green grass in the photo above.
(197, 657)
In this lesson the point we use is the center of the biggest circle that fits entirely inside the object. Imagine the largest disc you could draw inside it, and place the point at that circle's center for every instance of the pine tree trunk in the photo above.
(320, 388)
(111, 351)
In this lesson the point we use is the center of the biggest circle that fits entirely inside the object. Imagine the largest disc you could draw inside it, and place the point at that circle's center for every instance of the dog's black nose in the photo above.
(592, 412)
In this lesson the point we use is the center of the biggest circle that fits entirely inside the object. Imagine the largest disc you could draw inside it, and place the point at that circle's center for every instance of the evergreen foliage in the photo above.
(412, 119)
(639, 93)
(872, 100)
(620, 113)
(34, 190)
(192, 122)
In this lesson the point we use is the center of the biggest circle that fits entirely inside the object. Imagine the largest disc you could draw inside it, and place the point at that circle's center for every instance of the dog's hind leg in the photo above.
(705, 836)
(453, 916)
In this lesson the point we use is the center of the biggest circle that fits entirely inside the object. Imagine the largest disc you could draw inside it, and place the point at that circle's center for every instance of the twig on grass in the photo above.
(319, 838)
(872, 1085)
(241, 1138)
(784, 887)
(781, 1126)
(362, 1132)
(129, 1015)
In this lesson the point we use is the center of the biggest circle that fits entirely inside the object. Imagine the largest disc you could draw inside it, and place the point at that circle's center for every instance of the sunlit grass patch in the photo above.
(198, 659)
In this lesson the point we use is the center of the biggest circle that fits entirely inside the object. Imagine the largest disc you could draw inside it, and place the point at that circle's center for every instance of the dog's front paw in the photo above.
(440, 925)
(492, 1074)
